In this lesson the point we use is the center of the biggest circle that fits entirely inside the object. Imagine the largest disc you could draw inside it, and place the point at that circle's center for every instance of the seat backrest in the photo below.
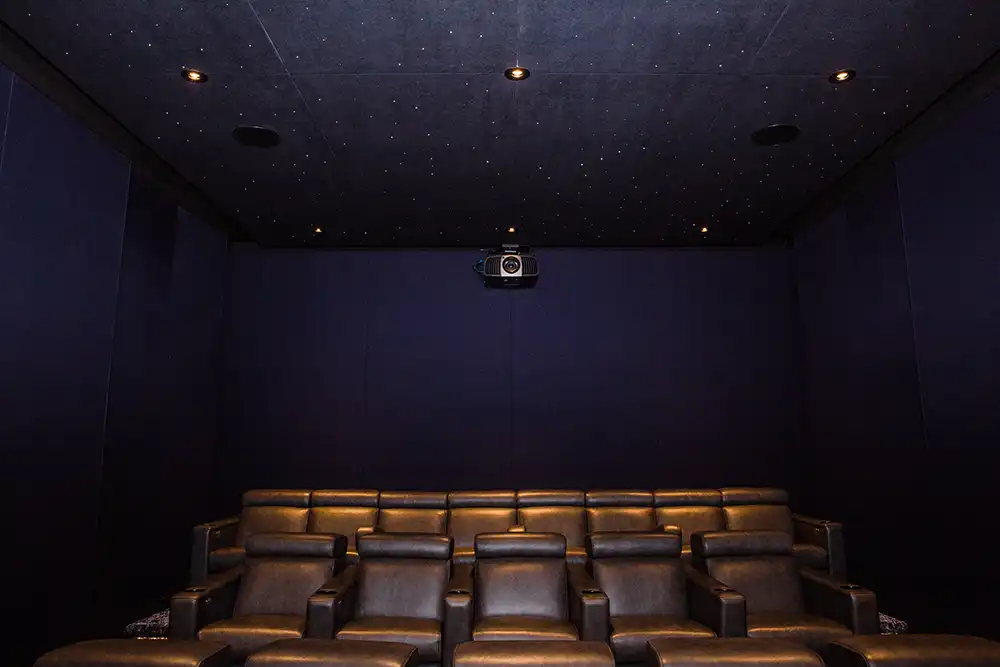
(403, 575)
(562, 512)
(342, 512)
(692, 510)
(748, 508)
(614, 511)
(757, 563)
(273, 511)
(413, 512)
(283, 570)
(473, 512)
(521, 574)
(641, 573)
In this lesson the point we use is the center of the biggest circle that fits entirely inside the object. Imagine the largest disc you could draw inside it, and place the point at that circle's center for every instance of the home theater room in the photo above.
(500, 333)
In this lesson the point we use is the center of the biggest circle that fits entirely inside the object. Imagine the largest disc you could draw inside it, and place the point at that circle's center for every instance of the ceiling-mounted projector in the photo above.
(508, 266)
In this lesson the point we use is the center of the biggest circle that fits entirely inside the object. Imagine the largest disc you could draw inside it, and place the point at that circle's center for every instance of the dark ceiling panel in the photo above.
(897, 37)
(399, 129)
(361, 36)
(647, 36)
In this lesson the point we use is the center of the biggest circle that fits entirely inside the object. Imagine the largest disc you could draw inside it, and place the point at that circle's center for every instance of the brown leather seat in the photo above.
(615, 511)
(473, 512)
(553, 511)
(138, 653)
(767, 509)
(331, 653)
(646, 584)
(524, 590)
(265, 600)
(534, 654)
(691, 510)
(264, 511)
(413, 512)
(912, 651)
(729, 652)
(398, 590)
(783, 600)
(344, 512)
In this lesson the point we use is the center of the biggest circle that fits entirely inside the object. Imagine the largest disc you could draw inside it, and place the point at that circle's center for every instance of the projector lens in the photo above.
(511, 264)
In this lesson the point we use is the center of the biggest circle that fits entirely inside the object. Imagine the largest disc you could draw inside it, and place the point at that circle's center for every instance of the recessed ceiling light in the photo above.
(318, 230)
(704, 230)
(511, 230)
(517, 74)
(256, 137)
(842, 76)
(194, 76)
(775, 134)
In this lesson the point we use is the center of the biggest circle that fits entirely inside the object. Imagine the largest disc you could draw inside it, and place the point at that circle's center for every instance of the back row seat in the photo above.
(219, 545)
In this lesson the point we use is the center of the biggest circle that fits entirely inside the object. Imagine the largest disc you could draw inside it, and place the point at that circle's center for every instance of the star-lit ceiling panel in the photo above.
(360, 36)
(151, 37)
(648, 36)
(902, 37)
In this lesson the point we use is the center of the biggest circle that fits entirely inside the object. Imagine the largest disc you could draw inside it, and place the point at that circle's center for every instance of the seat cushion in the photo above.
(730, 652)
(534, 654)
(334, 653)
(138, 653)
(246, 634)
(424, 634)
(629, 634)
(912, 651)
(814, 631)
(812, 556)
(225, 558)
(503, 628)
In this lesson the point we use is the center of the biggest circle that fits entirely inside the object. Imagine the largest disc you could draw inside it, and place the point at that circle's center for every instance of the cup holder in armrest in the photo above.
(591, 591)
(850, 587)
(327, 591)
(723, 589)
(459, 591)
(195, 589)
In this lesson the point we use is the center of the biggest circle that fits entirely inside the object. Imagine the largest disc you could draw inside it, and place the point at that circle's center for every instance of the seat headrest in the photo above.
(345, 498)
(460, 499)
(619, 498)
(413, 500)
(296, 545)
(550, 498)
(687, 497)
(741, 543)
(634, 545)
(520, 545)
(748, 495)
(279, 497)
(405, 545)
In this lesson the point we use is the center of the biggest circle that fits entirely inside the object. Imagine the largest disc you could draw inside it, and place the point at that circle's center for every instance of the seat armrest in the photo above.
(206, 538)
(366, 530)
(826, 534)
(850, 605)
(458, 613)
(332, 605)
(716, 605)
(517, 528)
(327, 602)
(198, 605)
(589, 608)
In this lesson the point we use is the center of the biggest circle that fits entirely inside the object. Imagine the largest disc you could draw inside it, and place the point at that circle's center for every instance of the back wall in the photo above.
(399, 369)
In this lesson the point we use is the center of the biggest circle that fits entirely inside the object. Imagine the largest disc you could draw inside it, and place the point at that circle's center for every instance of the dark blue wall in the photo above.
(901, 335)
(111, 327)
(401, 370)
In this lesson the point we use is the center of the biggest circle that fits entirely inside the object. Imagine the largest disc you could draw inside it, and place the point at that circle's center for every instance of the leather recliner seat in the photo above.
(553, 511)
(620, 511)
(784, 600)
(413, 512)
(471, 513)
(344, 512)
(265, 600)
(691, 510)
(525, 590)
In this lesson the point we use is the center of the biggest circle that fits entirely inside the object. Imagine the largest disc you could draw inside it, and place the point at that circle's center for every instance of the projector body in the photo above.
(508, 266)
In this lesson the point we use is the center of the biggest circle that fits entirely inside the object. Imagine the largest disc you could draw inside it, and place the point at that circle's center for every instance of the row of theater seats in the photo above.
(635, 588)
(461, 515)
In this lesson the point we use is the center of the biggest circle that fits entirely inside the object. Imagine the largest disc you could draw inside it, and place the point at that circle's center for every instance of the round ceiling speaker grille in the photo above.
(256, 137)
(774, 135)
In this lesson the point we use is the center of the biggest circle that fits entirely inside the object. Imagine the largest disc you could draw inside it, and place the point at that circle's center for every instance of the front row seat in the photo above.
(263, 600)
(523, 589)
(653, 594)
(783, 599)
(402, 590)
